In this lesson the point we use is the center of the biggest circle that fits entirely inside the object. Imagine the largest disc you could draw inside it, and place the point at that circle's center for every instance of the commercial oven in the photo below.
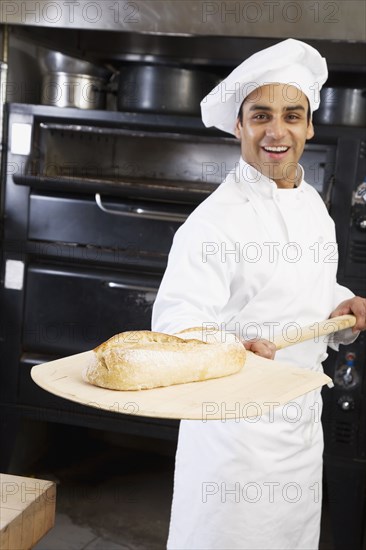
(91, 204)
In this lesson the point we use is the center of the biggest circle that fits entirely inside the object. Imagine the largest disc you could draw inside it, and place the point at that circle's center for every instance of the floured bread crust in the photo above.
(144, 359)
(208, 335)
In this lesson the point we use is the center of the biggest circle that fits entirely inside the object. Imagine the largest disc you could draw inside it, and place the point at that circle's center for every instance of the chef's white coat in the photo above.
(254, 260)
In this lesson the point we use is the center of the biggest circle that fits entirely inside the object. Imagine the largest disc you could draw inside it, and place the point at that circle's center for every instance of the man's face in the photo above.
(273, 131)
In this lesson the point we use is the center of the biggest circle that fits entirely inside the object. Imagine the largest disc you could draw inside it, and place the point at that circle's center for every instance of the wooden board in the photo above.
(241, 395)
(27, 511)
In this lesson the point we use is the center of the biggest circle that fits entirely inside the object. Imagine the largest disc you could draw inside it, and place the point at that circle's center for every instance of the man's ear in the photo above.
(310, 130)
(238, 128)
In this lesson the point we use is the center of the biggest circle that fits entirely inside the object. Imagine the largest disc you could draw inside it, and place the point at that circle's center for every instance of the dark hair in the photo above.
(240, 113)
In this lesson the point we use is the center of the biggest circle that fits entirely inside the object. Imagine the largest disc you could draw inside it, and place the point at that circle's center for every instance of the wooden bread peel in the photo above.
(241, 395)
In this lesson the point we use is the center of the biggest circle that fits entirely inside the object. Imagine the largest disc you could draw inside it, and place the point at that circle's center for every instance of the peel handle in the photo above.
(314, 331)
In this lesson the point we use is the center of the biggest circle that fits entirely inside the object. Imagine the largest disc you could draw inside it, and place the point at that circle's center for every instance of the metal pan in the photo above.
(342, 106)
(73, 90)
(72, 82)
(56, 62)
(163, 89)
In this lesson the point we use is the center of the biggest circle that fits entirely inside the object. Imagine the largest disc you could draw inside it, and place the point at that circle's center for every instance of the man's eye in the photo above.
(260, 116)
(293, 117)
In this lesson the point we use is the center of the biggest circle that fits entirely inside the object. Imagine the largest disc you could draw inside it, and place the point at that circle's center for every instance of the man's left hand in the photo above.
(355, 306)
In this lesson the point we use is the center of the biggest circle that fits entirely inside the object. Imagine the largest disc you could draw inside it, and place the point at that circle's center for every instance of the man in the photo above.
(245, 260)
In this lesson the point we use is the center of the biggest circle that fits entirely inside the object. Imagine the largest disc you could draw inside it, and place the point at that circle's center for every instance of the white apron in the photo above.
(254, 260)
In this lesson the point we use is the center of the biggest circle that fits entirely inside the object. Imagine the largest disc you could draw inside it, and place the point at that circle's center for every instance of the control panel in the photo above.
(344, 414)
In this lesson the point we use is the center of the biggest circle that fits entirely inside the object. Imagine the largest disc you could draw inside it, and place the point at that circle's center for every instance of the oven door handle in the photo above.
(138, 212)
(125, 286)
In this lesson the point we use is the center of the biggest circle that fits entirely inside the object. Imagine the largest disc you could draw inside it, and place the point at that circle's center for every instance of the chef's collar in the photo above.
(261, 184)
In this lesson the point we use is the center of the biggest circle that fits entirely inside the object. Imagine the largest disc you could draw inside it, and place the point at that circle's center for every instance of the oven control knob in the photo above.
(346, 403)
(346, 375)
(360, 223)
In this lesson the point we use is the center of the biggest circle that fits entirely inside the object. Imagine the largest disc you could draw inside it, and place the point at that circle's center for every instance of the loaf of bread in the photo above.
(208, 335)
(143, 359)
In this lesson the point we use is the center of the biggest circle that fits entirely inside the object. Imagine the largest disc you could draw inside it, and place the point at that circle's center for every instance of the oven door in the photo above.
(70, 309)
(140, 227)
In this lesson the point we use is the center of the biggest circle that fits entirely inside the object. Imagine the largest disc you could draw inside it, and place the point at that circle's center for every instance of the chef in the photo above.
(257, 258)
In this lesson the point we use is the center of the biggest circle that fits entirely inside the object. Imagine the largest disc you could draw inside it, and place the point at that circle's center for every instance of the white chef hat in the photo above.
(290, 62)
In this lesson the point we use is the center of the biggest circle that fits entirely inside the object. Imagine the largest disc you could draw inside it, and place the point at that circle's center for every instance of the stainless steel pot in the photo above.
(342, 106)
(163, 89)
(73, 90)
(71, 82)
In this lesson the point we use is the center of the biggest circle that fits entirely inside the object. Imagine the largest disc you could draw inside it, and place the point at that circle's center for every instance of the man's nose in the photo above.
(276, 128)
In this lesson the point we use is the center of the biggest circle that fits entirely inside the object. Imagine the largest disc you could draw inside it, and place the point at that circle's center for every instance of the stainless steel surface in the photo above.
(57, 62)
(71, 82)
(341, 20)
(73, 90)
(178, 50)
(111, 284)
(342, 106)
(3, 98)
(160, 89)
(3, 88)
(141, 212)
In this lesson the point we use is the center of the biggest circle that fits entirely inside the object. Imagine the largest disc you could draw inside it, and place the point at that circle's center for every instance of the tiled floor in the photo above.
(109, 496)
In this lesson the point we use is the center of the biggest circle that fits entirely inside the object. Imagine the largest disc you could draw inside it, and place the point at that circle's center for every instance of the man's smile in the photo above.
(275, 152)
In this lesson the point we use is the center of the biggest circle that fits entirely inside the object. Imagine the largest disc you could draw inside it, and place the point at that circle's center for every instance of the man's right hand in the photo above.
(263, 348)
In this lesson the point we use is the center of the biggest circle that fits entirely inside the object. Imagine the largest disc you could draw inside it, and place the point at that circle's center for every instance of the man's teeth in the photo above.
(276, 149)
